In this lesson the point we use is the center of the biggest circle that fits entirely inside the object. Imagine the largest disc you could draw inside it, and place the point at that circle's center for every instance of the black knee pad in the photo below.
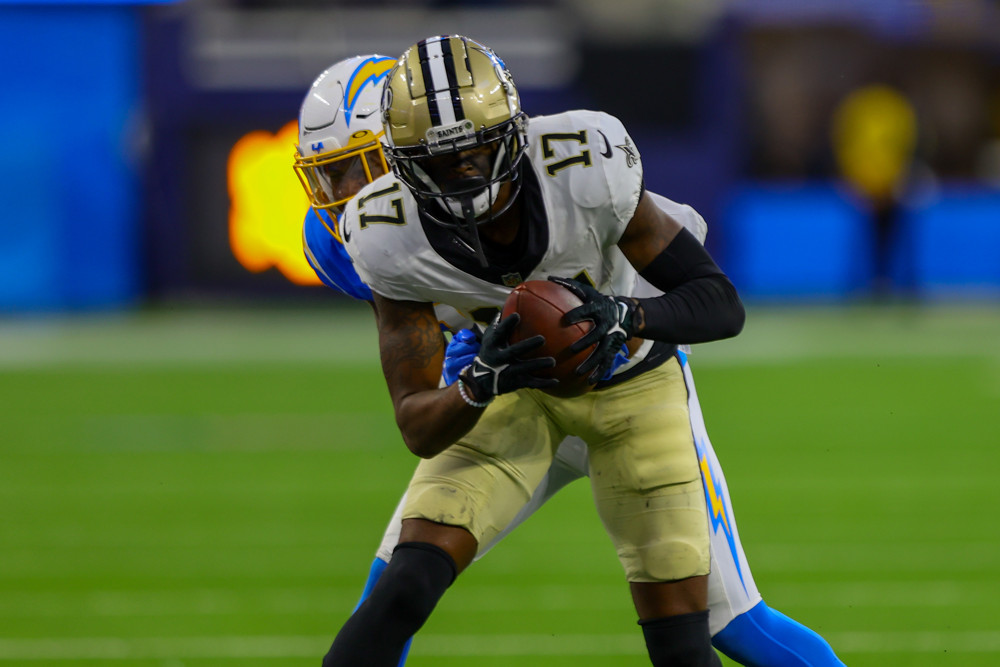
(415, 579)
(680, 641)
(399, 604)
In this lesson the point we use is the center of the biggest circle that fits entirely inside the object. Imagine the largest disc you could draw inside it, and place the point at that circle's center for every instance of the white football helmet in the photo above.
(339, 151)
(450, 95)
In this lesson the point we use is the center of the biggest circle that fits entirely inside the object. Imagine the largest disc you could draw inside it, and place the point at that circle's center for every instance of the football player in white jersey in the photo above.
(480, 201)
(338, 152)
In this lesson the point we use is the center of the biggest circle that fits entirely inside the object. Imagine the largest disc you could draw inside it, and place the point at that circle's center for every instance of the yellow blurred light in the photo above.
(874, 138)
(268, 205)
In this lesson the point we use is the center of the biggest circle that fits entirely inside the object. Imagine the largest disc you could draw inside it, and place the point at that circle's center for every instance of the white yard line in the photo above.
(109, 648)
(345, 334)
(915, 642)
(294, 601)
(283, 601)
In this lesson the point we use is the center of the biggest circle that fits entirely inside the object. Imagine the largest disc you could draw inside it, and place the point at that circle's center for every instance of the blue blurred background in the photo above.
(198, 455)
(841, 150)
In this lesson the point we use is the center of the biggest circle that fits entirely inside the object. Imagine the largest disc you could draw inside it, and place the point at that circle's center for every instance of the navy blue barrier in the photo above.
(69, 191)
(949, 244)
(802, 241)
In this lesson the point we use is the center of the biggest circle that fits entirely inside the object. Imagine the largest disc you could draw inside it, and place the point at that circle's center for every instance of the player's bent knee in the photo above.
(680, 641)
(404, 597)
(421, 572)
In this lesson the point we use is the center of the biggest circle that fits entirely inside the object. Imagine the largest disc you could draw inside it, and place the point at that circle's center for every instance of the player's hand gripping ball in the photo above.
(542, 305)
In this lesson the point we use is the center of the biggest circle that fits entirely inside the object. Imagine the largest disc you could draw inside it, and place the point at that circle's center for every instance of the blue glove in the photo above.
(620, 358)
(464, 346)
(462, 349)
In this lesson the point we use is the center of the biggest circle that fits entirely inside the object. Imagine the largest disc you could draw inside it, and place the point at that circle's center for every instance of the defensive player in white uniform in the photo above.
(338, 153)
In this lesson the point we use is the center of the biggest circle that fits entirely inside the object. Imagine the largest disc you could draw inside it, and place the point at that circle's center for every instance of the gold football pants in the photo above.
(643, 470)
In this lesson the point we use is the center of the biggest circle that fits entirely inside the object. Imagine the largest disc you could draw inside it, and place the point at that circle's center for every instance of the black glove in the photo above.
(614, 321)
(498, 370)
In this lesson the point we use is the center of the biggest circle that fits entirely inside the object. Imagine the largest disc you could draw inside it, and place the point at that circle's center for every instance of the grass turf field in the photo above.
(185, 489)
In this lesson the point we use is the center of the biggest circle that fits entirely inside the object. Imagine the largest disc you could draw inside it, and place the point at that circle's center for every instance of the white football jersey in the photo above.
(582, 178)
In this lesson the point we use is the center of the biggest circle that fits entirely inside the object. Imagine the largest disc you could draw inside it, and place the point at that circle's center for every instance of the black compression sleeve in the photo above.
(699, 303)
(680, 640)
(399, 604)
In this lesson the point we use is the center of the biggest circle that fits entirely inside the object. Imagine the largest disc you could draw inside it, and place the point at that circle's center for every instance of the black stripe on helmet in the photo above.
(425, 69)
(449, 68)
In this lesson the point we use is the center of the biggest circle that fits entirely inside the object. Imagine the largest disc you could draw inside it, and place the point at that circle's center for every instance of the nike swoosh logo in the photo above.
(364, 115)
(622, 311)
(347, 235)
(607, 145)
(478, 372)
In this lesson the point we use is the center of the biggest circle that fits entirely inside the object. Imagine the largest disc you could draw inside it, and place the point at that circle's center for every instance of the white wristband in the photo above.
(468, 399)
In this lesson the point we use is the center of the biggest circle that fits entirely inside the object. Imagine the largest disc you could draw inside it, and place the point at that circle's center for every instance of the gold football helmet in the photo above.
(449, 98)
(340, 127)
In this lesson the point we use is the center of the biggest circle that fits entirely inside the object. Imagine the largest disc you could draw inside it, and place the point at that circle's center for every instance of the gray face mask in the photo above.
(463, 204)
(481, 202)
(468, 231)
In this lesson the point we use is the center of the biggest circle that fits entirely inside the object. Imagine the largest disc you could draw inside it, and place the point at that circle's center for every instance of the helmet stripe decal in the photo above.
(425, 71)
(371, 70)
(449, 70)
(435, 65)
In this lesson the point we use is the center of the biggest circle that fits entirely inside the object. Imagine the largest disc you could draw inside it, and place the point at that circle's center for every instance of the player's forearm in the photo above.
(699, 303)
(412, 347)
(699, 311)
(432, 421)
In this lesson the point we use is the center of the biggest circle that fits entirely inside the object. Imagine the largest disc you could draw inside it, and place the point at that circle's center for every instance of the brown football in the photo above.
(541, 305)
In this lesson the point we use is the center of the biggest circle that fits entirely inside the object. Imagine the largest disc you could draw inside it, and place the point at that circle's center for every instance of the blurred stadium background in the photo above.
(197, 452)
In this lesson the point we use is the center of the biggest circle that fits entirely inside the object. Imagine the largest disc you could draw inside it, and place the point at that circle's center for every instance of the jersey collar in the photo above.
(508, 265)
